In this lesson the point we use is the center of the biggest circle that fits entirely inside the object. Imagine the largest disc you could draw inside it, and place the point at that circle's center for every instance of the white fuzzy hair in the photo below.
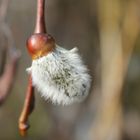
(61, 76)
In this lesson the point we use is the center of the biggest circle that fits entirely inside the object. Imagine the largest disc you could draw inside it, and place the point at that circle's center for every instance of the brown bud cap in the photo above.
(40, 44)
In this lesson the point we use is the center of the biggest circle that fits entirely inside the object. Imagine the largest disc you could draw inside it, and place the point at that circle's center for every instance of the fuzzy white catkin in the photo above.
(61, 76)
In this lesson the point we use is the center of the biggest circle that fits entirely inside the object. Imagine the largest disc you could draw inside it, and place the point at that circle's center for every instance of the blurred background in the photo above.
(107, 35)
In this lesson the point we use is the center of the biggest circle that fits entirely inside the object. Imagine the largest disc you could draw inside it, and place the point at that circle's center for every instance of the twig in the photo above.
(27, 109)
(3, 11)
(40, 19)
(6, 80)
(7, 72)
(29, 100)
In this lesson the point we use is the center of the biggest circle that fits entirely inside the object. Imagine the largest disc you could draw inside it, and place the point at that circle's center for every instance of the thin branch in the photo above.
(27, 109)
(7, 69)
(6, 80)
(40, 19)
(29, 100)
(3, 12)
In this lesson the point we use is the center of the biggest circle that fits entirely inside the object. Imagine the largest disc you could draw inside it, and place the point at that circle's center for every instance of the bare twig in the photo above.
(27, 109)
(29, 100)
(7, 69)
(3, 11)
(40, 19)
(6, 80)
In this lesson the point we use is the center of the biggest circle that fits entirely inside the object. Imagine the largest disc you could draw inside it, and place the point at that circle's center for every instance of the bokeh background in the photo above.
(107, 35)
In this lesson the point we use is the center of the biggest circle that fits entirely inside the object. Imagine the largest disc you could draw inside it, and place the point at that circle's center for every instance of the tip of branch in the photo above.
(23, 129)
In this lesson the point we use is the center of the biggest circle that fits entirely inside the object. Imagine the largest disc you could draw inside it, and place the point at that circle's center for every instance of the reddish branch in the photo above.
(6, 80)
(29, 101)
(27, 108)
(40, 19)
(7, 69)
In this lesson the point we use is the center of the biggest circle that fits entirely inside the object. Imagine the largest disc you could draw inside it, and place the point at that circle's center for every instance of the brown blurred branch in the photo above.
(6, 80)
(130, 29)
(112, 72)
(3, 11)
(8, 69)
(117, 45)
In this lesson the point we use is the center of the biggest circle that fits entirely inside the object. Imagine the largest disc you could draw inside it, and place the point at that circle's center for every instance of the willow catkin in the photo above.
(61, 76)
